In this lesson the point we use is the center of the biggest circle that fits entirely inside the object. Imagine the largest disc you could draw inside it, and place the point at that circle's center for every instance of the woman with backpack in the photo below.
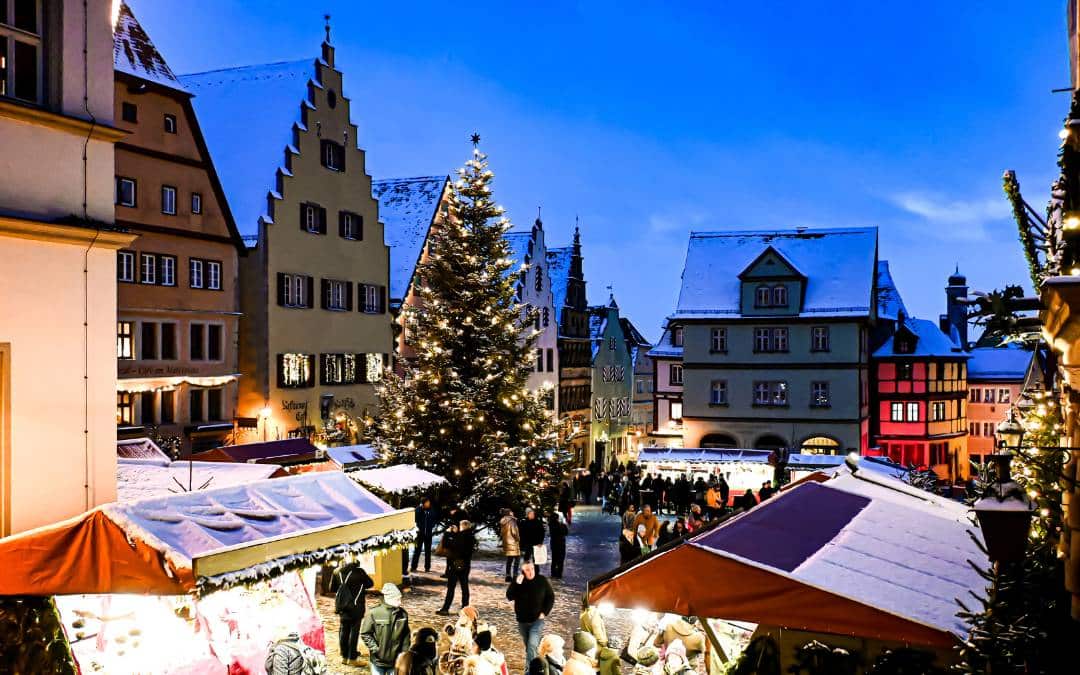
(349, 604)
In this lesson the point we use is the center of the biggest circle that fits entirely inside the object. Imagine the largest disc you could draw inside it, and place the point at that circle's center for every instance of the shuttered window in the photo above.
(312, 218)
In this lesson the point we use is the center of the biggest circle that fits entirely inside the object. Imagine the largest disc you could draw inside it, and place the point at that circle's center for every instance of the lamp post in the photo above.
(1004, 511)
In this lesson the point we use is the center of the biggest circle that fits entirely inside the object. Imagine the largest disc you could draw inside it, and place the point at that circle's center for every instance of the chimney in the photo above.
(954, 320)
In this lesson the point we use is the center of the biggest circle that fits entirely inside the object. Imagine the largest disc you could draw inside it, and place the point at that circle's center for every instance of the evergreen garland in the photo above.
(462, 410)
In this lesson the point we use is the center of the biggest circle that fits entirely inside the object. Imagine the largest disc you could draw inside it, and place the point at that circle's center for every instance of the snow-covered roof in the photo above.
(929, 341)
(247, 116)
(349, 455)
(518, 245)
(558, 266)
(142, 449)
(407, 207)
(889, 302)
(135, 54)
(999, 364)
(139, 479)
(196, 524)
(839, 265)
(665, 348)
(703, 455)
(397, 478)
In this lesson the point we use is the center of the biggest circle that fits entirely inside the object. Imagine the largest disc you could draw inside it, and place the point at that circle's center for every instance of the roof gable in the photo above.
(889, 303)
(407, 209)
(923, 338)
(771, 264)
(558, 264)
(135, 54)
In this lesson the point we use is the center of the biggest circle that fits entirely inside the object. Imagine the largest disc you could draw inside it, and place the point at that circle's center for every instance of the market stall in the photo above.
(293, 455)
(860, 561)
(399, 479)
(353, 456)
(200, 582)
(742, 469)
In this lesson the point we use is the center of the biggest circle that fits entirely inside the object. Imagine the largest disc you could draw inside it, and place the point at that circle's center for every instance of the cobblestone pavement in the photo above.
(591, 549)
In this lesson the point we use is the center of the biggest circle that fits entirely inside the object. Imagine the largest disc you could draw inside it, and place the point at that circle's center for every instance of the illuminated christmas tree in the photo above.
(463, 410)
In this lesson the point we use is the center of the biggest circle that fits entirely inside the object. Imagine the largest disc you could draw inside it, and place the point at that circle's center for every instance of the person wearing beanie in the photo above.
(385, 631)
(582, 660)
(422, 657)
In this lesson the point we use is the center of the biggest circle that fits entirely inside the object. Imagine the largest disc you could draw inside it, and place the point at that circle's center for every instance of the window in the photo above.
(213, 404)
(374, 299)
(168, 407)
(167, 263)
(611, 344)
(148, 269)
(374, 364)
(550, 360)
(545, 319)
(676, 411)
(336, 295)
(1004, 396)
(21, 54)
(195, 277)
(988, 429)
(295, 371)
(294, 290)
(904, 371)
(170, 123)
(195, 405)
(129, 112)
(912, 412)
(168, 200)
(333, 155)
(538, 282)
(125, 407)
(214, 334)
(779, 296)
(147, 408)
(338, 369)
(676, 373)
(718, 392)
(149, 342)
(539, 360)
(125, 266)
(197, 342)
(677, 336)
(772, 393)
(896, 412)
(975, 395)
(763, 296)
(718, 340)
(125, 191)
(819, 339)
(213, 275)
(819, 395)
(350, 225)
(973, 428)
(937, 411)
(762, 339)
(779, 339)
(196, 203)
(313, 218)
(168, 341)
(988, 395)
(125, 339)
(641, 386)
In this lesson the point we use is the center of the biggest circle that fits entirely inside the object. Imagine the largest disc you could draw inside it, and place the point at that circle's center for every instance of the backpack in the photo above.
(345, 601)
(285, 658)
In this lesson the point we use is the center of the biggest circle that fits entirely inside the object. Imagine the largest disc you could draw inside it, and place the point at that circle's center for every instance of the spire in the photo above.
(327, 50)
(539, 223)
(577, 232)
(611, 297)
(326, 18)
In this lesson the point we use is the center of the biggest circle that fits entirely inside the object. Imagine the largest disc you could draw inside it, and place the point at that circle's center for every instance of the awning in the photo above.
(202, 540)
(851, 556)
(140, 384)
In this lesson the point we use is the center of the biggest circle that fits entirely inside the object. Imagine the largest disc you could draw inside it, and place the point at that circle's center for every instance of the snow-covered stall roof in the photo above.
(407, 207)
(929, 341)
(347, 456)
(702, 455)
(142, 449)
(839, 265)
(999, 364)
(851, 555)
(247, 116)
(397, 478)
(558, 264)
(135, 54)
(137, 479)
(889, 302)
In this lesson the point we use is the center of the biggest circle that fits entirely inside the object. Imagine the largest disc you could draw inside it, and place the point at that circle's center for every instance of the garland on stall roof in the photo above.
(333, 555)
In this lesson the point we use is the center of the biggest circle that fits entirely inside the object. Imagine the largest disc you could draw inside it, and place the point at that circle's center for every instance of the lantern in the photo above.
(1004, 514)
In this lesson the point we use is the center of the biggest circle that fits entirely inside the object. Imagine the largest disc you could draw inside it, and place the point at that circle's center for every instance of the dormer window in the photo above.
(677, 336)
(904, 344)
(779, 296)
(763, 297)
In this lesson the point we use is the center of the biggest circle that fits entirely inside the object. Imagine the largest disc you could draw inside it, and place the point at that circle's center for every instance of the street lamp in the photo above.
(1004, 511)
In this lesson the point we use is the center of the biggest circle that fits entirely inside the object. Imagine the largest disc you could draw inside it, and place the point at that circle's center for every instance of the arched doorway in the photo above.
(820, 445)
(718, 441)
(770, 442)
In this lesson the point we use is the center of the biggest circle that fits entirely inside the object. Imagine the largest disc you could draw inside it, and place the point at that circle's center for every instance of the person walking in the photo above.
(511, 543)
(725, 492)
(557, 531)
(422, 658)
(461, 542)
(713, 501)
(566, 503)
(533, 599)
(385, 631)
(427, 517)
(532, 534)
(350, 604)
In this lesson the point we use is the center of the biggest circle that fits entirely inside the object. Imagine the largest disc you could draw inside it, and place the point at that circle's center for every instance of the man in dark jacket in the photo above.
(533, 599)
(349, 604)
(557, 530)
(532, 533)
(385, 631)
(460, 543)
(426, 519)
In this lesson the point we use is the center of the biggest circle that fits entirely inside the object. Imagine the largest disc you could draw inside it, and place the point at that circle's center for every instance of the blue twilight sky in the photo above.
(649, 119)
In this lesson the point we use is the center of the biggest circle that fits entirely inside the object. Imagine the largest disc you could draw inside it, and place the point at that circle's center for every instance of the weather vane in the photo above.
(475, 139)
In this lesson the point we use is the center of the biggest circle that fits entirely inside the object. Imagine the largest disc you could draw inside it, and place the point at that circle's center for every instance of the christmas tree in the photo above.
(462, 410)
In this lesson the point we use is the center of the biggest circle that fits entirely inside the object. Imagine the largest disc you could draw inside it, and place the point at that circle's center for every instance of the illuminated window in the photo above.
(937, 411)
(125, 339)
(913, 412)
(373, 368)
(125, 407)
(896, 412)
(676, 411)
(295, 371)
(819, 395)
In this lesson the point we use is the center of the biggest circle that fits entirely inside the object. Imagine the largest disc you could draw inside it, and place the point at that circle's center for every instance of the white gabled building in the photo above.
(529, 252)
